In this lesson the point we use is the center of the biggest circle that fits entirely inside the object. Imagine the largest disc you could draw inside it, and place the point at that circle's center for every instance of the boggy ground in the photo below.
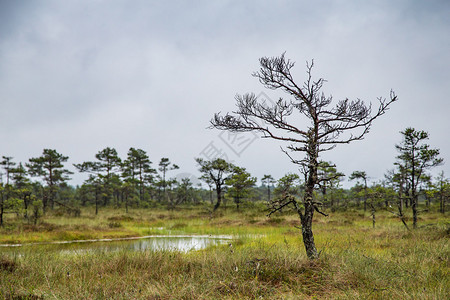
(266, 260)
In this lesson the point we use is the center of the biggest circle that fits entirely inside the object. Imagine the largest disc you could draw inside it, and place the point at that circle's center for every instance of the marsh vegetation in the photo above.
(264, 259)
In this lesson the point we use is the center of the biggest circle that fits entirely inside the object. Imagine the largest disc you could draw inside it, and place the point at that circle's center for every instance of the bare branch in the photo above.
(274, 209)
(346, 122)
(320, 212)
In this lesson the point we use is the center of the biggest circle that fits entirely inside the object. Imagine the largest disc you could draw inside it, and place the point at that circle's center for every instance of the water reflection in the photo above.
(182, 243)
(164, 243)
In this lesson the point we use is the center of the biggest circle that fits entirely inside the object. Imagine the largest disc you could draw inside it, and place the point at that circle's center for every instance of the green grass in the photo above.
(266, 260)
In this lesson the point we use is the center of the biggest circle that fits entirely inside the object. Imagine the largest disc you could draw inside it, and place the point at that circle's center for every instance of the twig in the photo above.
(274, 210)
(317, 209)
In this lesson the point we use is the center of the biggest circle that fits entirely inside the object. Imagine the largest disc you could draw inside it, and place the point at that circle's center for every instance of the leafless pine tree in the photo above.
(329, 124)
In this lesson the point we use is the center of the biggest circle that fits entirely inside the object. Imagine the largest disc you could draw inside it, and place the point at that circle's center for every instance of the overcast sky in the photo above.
(79, 76)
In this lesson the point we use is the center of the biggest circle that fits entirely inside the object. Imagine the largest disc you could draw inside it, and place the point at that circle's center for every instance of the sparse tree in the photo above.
(164, 166)
(8, 166)
(376, 195)
(2, 203)
(109, 164)
(36, 206)
(268, 181)
(84, 194)
(361, 175)
(287, 188)
(328, 178)
(8, 201)
(442, 190)
(22, 186)
(185, 190)
(239, 184)
(49, 166)
(426, 188)
(326, 126)
(19, 176)
(210, 183)
(137, 168)
(97, 185)
(396, 180)
(94, 183)
(105, 169)
(184, 193)
(108, 161)
(216, 171)
(416, 157)
(127, 191)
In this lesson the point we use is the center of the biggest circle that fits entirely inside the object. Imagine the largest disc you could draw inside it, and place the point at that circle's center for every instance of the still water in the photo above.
(183, 243)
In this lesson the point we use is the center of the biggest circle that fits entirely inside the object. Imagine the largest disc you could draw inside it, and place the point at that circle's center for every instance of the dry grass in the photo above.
(357, 262)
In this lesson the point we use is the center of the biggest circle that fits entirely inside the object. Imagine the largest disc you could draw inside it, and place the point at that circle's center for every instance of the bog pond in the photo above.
(183, 243)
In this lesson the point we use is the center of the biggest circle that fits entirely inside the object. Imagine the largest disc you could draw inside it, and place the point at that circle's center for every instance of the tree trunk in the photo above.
(365, 198)
(1, 213)
(307, 234)
(307, 217)
(414, 210)
(2, 203)
(373, 219)
(373, 215)
(219, 199)
(331, 199)
(400, 195)
(44, 200)
(96, 201)
(25, 204)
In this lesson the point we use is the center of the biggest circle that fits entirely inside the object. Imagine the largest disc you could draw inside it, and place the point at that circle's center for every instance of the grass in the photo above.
(266, 260)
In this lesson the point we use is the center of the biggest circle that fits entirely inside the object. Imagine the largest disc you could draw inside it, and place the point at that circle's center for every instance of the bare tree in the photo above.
(342, 123)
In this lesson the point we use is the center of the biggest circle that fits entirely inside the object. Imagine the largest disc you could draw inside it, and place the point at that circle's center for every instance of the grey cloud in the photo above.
(82, 75)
